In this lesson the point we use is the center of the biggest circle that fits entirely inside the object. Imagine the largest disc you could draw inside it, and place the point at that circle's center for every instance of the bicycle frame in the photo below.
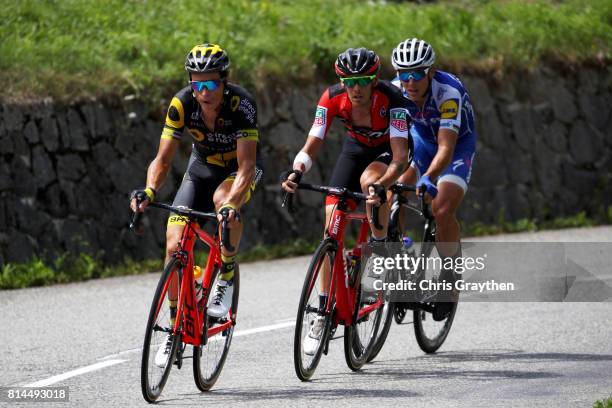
(345, 294)
(193, 315)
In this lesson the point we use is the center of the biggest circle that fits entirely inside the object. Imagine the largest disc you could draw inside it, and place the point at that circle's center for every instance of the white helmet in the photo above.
(413, 54)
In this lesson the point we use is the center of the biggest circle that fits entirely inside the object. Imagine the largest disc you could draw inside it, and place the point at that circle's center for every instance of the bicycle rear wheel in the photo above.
(309, 310)
(431, 334)
(360, 336)
(153, 377)
(208, 360)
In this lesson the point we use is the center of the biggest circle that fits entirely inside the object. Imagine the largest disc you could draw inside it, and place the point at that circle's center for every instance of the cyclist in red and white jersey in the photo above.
(376, 152)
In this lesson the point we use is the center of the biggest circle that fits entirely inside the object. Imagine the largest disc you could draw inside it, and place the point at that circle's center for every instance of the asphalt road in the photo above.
(497, 354)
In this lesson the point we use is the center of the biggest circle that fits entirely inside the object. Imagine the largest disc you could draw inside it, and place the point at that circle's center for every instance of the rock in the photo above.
(29, 218)
(4, 222)
(64, 131)
(488, 169)
(288, 137)
(104, 155)
(491, 131)
(42, 167)
(519, 165)
(30, 132)
(6, 183)
(580, 182)
(68, 196)
(555, 136)
(23, 180)
(480, 95)
(74, 235)
(52, 201)
(563, 103)
(588, 80)
(6, 143)
(595, 109)
(303, 104)
(13, 118)
(523, 127)
(77, 132)
(21, 248)
(586, 143)
(547, 170)
(50, 134)
(125, 175)
(70, 167)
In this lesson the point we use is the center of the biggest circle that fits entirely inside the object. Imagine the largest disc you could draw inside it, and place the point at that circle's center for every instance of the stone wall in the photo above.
(544, 150)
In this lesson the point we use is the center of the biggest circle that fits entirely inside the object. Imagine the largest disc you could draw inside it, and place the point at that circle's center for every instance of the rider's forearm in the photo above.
(242, 183)
(157, 173)
(395, 169)
(440, 161)
(311, 148)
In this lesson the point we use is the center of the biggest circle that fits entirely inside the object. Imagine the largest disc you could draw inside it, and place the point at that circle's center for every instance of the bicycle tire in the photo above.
(205, 380)
(383, 332)
(356, 353)
(431, 343)
(151, 390)
(305, 371)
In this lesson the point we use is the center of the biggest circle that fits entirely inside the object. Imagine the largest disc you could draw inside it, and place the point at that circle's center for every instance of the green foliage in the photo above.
(524, 225)
(605, 403)
(64, 48)
(68, 268)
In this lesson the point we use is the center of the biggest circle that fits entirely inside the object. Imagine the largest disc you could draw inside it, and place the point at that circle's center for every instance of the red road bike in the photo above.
(210, 337)
(348, 302)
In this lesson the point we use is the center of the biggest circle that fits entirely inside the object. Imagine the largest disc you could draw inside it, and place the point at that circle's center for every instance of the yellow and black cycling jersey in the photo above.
(237, 119)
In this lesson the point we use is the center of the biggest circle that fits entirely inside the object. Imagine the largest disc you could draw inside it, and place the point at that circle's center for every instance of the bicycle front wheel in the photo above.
(154, 374)
(306, 357)
(208, 360)
(430, 334)
(360, 337)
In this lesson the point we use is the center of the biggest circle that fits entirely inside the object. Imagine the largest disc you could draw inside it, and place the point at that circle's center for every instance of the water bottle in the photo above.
(197, 274)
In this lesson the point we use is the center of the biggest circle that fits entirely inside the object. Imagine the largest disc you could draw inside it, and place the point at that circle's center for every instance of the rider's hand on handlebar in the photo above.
(230, 213)
(425, 183)
(139, 199)
(377, 195)
(290, 180)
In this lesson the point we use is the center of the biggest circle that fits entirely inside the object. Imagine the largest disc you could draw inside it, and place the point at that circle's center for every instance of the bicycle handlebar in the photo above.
(187, 212)
(334, 191)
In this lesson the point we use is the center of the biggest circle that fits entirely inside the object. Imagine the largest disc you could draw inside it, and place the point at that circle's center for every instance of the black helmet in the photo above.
(356, 61)
(207, 58)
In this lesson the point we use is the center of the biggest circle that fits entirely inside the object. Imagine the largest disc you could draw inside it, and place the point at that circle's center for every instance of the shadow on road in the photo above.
(457, 364)
(307, 392)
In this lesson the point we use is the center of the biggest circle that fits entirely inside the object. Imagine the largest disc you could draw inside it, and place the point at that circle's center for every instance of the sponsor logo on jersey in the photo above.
(399, 124)
(398, 120)
(441, 93)
(234, 102)
(457, 164)
(248, 110)
(449, 109)
(320, 116)
(383, 111)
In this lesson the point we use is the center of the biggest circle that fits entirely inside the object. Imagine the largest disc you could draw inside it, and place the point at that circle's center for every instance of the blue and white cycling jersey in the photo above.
(448, 106)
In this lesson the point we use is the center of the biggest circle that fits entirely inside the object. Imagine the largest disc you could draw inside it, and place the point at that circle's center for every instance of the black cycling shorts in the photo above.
(200, 183)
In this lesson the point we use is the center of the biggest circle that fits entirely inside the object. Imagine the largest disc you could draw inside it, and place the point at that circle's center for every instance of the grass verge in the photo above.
(70, 48)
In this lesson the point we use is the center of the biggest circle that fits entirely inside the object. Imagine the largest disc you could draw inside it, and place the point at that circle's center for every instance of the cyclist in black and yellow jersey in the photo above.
(224, 167)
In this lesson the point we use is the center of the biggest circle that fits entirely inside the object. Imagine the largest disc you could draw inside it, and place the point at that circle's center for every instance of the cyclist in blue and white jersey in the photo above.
(444, 134)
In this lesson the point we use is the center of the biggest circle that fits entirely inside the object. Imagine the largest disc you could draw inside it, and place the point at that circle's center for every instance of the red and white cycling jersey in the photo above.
(388, 114)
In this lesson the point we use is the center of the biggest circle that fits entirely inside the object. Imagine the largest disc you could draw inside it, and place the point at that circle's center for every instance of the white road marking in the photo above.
(107, 363)
(74, 373)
